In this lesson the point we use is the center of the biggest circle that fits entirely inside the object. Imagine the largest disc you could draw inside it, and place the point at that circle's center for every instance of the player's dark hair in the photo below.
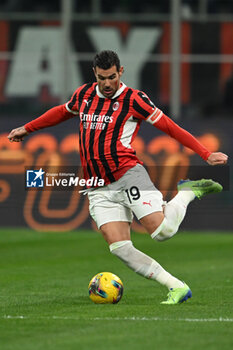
(106, 59)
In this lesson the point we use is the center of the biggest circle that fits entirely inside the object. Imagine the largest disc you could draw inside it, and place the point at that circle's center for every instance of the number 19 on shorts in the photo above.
(133, 193)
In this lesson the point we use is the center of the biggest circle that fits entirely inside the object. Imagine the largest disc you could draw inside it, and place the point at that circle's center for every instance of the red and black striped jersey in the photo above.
(108, 127)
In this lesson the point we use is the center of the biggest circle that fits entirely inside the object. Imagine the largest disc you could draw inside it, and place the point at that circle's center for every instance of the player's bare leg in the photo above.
(162, 228)
(152, 221)
(117, 234)
(163, 225)
(116, 231)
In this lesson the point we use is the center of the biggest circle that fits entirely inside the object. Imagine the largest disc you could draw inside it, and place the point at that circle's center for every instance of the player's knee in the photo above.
(152, 221)
(165, 231)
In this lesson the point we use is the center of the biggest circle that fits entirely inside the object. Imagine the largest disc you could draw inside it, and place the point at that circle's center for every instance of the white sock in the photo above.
(166, 279)
(174, 213)
(184, 197)
(143, 264)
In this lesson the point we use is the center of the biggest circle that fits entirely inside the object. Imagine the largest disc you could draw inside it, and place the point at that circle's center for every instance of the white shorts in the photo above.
(134, 193)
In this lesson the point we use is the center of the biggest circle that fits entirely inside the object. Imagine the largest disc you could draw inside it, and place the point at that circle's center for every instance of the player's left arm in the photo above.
(145, 109)
(168, 126)
(217, 158)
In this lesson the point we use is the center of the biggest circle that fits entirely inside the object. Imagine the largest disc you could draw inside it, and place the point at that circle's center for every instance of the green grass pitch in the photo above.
(44, 301)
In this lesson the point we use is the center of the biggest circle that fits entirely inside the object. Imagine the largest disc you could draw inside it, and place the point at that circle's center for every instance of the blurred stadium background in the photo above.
(179, 52)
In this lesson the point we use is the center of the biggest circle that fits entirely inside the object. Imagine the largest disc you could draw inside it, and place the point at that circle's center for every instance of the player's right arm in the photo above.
(53, 116)
(18, 134)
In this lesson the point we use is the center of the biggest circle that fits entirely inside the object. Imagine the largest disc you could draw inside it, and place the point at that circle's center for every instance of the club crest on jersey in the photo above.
(115, 106)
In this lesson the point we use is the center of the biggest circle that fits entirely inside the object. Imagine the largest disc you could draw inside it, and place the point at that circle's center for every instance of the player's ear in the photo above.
(94, 71)
(121, 71)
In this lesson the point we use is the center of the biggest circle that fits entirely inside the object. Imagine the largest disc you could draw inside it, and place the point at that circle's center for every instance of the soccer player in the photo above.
(110, 115)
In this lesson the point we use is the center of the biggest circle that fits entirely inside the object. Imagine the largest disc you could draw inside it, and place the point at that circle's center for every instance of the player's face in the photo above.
(108, 80)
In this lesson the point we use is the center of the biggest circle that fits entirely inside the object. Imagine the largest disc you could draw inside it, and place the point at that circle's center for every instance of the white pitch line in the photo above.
(220, 319)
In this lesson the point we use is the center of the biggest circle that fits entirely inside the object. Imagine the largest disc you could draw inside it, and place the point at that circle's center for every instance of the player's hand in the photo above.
(217, 158)
(17, 135)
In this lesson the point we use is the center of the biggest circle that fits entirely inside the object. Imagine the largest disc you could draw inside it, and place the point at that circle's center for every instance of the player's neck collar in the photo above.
(118, 92)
